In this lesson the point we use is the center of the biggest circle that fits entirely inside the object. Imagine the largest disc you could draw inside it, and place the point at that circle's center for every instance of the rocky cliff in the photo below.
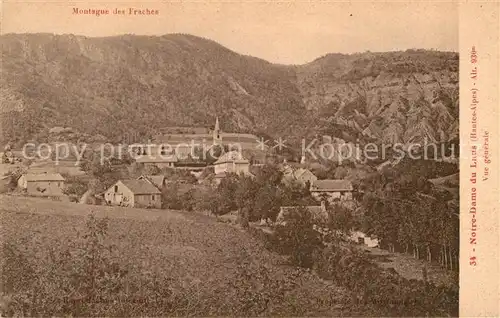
(395, 97)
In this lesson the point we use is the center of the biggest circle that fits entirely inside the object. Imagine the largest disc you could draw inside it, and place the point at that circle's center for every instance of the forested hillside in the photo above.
(142, 83)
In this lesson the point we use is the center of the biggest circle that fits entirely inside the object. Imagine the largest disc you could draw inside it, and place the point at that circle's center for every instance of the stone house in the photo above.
(331, 190)
(42, 184)
(133, 193)
(300, 175)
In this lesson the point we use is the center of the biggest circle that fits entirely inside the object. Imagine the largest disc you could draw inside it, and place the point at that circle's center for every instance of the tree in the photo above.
(151, 170)
(245, 195)
(294, 193)
(96, 167)
(75, 186)
(341, 172)
(267, 202)
(268, 195)
(403, 209)
(225, 200)
(188, 200)
(298, 238)
(171, 198)
(269, 175)
(179, 175)
(13, 178)
(340, 218)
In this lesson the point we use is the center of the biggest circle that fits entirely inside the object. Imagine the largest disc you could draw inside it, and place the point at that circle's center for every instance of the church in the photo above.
(188, 142)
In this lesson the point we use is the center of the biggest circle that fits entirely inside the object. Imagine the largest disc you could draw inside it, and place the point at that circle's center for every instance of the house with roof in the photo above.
(157, 181)
(42, 184)
(231, 162)
(331, 190)
(133, 193)
(300, 175)
(161, 161)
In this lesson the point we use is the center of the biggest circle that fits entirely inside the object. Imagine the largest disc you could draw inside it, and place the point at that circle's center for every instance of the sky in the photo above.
(287, 32)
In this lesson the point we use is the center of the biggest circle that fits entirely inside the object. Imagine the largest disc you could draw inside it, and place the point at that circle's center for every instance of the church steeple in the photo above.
(216, 128)
(216, 133)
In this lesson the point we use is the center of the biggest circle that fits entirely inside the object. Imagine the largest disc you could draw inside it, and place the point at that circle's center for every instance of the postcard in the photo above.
(249, 158)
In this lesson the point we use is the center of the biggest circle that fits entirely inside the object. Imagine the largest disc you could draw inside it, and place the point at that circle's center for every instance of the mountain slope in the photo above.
(393, 97)
(143, 82)
(116, 86)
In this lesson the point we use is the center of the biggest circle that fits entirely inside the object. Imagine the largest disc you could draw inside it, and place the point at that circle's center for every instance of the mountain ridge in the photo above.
(143, 83)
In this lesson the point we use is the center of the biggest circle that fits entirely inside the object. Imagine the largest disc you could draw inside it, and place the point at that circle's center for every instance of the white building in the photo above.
(133, 193)
(231, 162)
(362, 238)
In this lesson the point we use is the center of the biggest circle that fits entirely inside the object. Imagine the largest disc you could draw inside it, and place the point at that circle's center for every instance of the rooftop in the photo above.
(140, 186)
(158, 181)
(290, 172)
(299, 172)
(31, 177)
(331, 185)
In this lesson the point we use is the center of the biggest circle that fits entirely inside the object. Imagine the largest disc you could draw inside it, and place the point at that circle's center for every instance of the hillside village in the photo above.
(193, 195)
(44, 178)
(162, 174)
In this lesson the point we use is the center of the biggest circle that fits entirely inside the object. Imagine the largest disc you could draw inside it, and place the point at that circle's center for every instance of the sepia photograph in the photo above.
(232, 159)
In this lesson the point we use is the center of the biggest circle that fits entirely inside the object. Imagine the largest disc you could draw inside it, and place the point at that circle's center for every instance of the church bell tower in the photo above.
(217, 133)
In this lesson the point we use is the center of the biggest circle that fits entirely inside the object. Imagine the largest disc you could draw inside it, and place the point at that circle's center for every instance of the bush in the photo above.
(180, 196)
(179, 175)
(75, 186)
(340, 218)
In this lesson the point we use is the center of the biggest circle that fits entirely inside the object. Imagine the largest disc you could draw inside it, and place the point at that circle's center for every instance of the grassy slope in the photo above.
(192, 249)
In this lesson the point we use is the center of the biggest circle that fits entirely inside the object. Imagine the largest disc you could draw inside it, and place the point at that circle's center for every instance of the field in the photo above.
(212, 268)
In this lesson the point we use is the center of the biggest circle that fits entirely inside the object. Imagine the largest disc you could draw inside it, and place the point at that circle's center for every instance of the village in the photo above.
(248, 188)
(154, 175)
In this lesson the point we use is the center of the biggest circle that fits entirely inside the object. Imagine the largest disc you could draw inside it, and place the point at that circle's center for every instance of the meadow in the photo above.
(71, 259)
